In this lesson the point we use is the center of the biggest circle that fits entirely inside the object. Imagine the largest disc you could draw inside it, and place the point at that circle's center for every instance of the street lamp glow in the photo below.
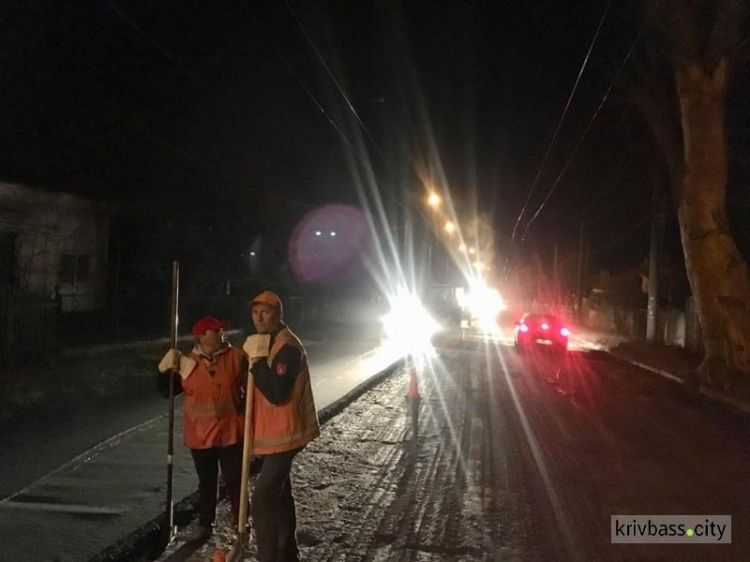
(333, 233)
(450, 228)
(252, 254)
(472, 251)
(462, 248)
(318, 233)
(434, 200)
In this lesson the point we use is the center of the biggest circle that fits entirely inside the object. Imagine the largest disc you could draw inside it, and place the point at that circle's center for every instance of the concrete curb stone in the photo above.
(719, 397)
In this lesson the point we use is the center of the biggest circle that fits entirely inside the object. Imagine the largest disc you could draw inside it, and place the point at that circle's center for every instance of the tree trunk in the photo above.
(717, 272)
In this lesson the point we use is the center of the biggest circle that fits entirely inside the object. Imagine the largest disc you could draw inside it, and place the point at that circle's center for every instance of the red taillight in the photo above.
(523, 328)
(565, 332)
(545, 326)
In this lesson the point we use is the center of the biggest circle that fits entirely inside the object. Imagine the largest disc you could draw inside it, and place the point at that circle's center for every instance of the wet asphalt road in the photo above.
(556, 448)
(596, 437)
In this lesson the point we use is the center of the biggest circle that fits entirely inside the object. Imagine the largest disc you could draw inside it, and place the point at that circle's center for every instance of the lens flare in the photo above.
(408, 326)
(327, 242)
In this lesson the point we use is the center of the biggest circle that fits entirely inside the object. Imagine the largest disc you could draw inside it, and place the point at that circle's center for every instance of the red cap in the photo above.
(207, 323)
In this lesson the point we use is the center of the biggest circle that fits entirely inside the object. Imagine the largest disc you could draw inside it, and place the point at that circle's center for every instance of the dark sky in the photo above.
(214, 106)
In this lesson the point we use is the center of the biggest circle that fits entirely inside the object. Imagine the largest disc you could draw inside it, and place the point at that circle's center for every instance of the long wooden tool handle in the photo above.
(247, 447)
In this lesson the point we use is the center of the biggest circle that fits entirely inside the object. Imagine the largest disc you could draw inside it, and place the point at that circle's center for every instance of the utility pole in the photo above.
(579, 287)
(555, 279)
(430, 279)
(657, 226)
(407, 236)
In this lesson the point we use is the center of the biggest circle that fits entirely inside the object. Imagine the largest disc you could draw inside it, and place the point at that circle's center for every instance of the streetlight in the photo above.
(450, 228)
(333, 233)
(318, 233)
(462, 248)
(472, 251)
(434, 200)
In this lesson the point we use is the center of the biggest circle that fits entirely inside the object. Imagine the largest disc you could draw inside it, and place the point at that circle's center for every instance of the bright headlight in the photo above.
(484, 304)
(408, 326)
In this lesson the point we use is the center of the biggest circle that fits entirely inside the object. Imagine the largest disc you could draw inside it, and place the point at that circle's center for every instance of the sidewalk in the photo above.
(672, 362)
(87, 504)
(83, 375)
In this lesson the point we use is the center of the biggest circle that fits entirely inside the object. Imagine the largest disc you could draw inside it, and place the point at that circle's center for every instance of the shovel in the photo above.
(238, 550)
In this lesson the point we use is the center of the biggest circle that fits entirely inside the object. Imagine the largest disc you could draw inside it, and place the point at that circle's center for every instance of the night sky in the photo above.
(212, 111)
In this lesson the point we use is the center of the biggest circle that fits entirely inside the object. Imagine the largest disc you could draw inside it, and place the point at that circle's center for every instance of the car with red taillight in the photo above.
(541, 329)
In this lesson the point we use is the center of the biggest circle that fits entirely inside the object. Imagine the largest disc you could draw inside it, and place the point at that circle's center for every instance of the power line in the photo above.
(350, 106)
(567, 163)
(330, 73)
(169, 56)
(557, 129)
(583, 136)
(128, 20)
(364, 161)
(323, 111)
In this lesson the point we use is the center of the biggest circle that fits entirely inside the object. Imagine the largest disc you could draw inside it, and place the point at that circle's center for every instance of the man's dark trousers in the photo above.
(207, 463)
(274, 516)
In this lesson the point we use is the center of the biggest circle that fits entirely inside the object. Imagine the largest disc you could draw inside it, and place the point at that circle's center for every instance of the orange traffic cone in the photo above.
(413, 387)
(220, 556)
(412, 403)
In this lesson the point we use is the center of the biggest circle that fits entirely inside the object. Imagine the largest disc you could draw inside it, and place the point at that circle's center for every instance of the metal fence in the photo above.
(675, 326)
(28, 325)
(132, 318)
(32, 326)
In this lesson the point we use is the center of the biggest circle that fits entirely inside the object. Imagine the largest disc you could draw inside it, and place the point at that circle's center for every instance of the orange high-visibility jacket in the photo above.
(213, 403)
(294, 422)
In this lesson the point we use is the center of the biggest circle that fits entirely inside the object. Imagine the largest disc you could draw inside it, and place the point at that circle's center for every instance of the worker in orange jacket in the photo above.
(213, 376)
(284, 421)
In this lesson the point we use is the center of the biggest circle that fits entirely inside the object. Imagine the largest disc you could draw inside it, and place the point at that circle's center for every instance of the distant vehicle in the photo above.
(442, 302)
(535, 329)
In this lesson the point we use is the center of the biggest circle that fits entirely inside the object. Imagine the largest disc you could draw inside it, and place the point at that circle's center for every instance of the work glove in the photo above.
(173, 360)
(257, 346)
(170, 361)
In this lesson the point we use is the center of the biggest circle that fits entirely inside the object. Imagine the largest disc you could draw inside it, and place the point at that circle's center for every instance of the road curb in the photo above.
(138, 544)
(332, 410)
(718, 397)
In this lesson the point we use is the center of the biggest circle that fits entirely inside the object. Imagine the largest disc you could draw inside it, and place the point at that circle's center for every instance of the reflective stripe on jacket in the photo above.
(213, 402)
(292, 423)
